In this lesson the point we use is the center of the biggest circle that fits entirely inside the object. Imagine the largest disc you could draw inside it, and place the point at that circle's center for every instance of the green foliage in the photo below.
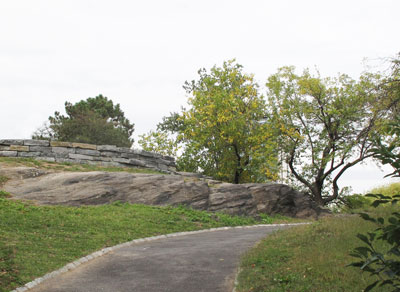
(4, 194)
(159, 142)
(310, 258)
(326, 125)
(172, 123)
(389, 153)
(356, 201)
(387, 190)
(94, 120)
(221, 131)
(385, 264)
(375, 261)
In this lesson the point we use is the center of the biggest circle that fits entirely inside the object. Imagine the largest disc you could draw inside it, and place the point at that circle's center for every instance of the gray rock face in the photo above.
(36, 142)
(94, 188)
(21, 172)
(8, 153)
(12, 142)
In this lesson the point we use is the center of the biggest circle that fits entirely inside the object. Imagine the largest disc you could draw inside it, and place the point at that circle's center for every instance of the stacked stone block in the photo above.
(107, 155)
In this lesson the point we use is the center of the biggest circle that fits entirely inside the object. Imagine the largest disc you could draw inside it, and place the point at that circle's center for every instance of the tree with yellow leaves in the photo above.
(223, 132)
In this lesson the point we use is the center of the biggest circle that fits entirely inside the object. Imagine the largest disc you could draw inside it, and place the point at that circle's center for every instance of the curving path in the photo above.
(205, 261)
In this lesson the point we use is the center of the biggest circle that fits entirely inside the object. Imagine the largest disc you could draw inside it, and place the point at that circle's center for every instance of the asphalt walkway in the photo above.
(205, 261)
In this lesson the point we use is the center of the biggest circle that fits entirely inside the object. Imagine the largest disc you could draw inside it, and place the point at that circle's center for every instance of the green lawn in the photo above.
(309, 258)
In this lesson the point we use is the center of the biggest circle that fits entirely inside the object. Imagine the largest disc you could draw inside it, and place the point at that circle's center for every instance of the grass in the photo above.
(66, 166)
(387, 190)
(309, 258)
(3, 180)
(35, 240)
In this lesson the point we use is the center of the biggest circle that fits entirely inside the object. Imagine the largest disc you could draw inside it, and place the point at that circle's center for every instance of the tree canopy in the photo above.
(159, 142)
(221, 130)
(326, 125)
(94, 120)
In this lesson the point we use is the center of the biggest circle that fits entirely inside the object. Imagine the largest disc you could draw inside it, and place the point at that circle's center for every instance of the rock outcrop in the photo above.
(94, 188)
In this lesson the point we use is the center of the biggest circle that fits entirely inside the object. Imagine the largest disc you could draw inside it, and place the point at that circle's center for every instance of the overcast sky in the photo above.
(140, 53)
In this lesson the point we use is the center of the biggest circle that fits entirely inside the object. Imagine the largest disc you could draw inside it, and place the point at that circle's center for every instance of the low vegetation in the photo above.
(387, 190)
(358, 202)
(384, 264)
(310, 258)
(3, 180)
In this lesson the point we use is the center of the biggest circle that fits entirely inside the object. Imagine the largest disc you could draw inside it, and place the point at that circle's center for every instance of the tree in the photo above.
(326, 125)
(220, 130)
(159, 142)
(94, 120)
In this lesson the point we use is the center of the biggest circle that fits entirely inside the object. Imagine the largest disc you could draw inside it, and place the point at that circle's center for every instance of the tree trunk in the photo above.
(238, 170)
(237, 177)
(316, 192)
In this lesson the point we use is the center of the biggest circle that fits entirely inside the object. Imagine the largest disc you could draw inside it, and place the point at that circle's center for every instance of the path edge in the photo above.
(73, 265)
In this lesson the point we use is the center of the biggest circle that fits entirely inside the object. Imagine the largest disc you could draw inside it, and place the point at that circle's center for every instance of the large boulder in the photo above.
(94, 188)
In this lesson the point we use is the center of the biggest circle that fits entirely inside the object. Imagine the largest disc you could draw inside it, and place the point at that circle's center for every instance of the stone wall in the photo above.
(107, 155)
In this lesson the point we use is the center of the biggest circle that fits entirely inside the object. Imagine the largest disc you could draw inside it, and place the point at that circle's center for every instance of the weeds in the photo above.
(308, 258)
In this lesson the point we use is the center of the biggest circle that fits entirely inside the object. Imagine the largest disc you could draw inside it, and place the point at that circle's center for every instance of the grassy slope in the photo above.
(35, 240)
(309, 258)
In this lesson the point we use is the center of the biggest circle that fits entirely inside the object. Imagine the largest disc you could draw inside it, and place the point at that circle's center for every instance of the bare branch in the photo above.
(293, 170)
(309, 137)
(335, 186)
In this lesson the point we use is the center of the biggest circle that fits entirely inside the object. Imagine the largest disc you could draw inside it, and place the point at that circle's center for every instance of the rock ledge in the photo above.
(95, 188)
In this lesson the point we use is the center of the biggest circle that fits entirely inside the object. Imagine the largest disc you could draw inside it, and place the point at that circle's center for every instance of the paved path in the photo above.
(188, 263)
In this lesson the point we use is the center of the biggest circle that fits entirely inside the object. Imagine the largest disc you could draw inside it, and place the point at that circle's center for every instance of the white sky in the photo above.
(140, 53)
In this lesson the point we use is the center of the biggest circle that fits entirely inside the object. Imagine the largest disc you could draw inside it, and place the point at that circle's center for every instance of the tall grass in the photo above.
(387, 190)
